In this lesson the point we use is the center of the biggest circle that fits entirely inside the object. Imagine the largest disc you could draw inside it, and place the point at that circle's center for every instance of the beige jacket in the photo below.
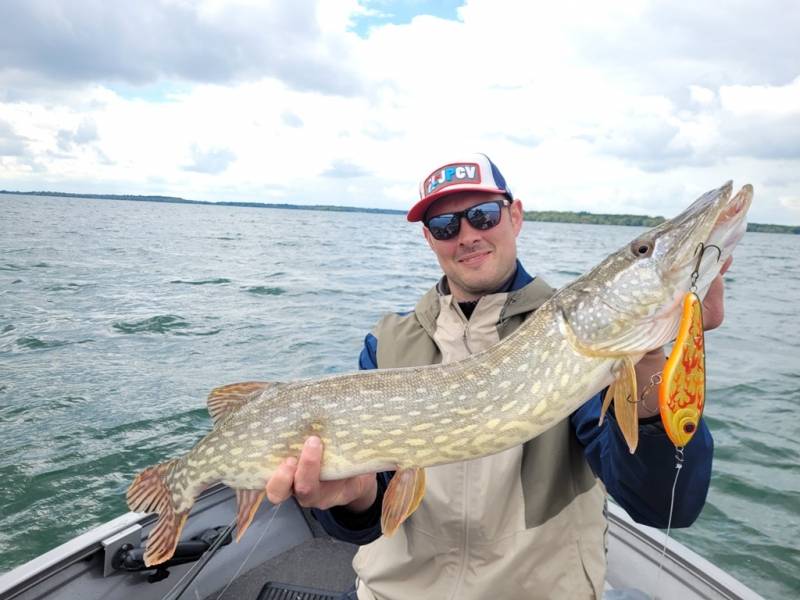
(525, 523)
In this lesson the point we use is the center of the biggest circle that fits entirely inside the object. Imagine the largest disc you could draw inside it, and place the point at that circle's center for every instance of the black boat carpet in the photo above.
(285, 591)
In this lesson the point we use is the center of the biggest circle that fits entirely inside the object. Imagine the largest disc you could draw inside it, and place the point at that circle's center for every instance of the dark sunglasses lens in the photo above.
(484, 216)
(444, 227)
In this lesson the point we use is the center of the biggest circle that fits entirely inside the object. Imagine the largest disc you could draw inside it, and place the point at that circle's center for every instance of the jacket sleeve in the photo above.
(642, 482)
(339, 522)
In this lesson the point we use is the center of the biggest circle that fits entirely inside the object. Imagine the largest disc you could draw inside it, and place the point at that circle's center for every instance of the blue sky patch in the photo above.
(400, 12)
(153, 92)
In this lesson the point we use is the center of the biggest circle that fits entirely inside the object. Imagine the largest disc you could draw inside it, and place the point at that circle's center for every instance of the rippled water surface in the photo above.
(117, 318)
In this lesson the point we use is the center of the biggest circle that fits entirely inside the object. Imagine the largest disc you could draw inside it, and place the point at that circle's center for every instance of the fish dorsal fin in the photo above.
(227, 399)
(623, 392)
(402, 497)
(681, 396)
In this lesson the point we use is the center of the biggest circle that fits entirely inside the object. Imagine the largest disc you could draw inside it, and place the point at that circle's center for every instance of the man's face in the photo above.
(476, 262)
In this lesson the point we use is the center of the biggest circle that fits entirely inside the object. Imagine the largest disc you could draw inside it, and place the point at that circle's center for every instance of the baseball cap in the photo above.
(474, 172)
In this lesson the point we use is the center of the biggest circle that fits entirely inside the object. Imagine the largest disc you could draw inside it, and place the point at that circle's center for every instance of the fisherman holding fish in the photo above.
(528, 522)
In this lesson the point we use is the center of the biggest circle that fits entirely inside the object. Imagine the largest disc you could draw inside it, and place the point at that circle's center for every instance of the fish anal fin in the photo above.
(402, 498)
(625, 404)
(149, 492)
(227, 399)
(247, 503)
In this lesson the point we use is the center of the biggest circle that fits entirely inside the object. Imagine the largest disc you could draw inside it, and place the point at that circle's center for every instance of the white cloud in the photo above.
(343, 169)
(792, 203)
(210, 160)
(634, 106)
(84, 41)
(11, 144)
(701, 95)
(778, 100)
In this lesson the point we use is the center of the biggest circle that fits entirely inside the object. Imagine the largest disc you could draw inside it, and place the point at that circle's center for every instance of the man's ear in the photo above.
(517, 215)
(428, 237)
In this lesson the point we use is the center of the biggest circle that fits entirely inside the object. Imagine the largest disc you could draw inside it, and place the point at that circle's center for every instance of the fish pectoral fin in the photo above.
(247, 503)
(149, 493)
(402, 498)
(227, 399)
(625, 404)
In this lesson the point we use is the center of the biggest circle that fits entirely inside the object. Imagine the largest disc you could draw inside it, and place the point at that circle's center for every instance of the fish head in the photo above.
(631, 302)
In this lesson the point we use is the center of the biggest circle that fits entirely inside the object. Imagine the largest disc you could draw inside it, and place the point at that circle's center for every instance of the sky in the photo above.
(631, 106)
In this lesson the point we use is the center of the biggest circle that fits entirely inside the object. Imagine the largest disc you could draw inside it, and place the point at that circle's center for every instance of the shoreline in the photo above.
(546, 216)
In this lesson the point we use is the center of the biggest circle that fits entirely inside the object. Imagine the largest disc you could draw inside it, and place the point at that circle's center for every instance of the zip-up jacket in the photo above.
(528, 522)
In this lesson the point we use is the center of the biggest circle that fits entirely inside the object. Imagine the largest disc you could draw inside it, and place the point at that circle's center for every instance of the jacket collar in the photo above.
(525, 294)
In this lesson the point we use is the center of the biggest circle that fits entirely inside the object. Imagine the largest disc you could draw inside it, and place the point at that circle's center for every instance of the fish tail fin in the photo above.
(150, 492)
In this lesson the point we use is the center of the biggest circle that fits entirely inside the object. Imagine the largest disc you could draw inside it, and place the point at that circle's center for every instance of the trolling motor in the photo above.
(131, 558)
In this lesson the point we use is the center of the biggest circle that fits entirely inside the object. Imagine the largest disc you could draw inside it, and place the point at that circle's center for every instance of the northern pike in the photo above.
(586, 337)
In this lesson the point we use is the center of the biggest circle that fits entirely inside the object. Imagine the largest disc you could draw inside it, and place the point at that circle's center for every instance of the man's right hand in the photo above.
(301, 479)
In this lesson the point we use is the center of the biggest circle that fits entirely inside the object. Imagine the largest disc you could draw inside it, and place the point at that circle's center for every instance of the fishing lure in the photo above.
(681, 395)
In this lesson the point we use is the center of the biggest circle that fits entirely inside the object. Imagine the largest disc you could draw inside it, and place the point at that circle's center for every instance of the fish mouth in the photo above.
(684, 253)
(711, 241)
(688, 252)
(707, 246)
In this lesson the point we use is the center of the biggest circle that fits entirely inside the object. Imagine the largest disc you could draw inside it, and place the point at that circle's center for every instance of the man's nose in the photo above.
(467, 234)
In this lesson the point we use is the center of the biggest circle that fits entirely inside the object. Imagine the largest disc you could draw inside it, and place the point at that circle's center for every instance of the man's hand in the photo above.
(301, 479)
(714, 302)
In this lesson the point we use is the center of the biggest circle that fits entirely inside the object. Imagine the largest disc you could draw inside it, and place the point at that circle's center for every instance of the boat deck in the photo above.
(285, 544)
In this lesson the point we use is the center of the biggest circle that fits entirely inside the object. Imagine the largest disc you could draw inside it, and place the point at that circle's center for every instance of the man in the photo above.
(528, 522)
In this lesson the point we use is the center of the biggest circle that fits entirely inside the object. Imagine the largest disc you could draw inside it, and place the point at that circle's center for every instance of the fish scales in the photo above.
(583, 339)
(245, 456)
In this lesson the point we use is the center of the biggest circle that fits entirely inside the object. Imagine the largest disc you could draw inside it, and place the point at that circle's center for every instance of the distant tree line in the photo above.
(178, 200)
(766, 228)
(558, 216)
(553, 216)
(583, 217)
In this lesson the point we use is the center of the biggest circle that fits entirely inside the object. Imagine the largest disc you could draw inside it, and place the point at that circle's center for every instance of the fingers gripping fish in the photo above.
(583, 339)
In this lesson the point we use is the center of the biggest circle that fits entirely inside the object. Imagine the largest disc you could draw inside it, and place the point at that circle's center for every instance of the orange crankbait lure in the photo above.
(683, 385)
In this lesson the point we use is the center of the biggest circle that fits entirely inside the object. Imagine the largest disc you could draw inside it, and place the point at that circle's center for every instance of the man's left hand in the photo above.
(714, 302)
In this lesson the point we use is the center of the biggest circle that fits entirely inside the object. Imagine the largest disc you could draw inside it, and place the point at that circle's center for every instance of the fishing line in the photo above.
(249, 554)
(678, 467)
(178, 589)
(682, 386)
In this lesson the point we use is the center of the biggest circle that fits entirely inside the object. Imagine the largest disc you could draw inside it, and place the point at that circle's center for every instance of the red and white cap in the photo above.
(474, 173)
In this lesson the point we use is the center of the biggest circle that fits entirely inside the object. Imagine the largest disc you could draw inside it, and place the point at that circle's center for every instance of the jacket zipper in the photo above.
(465, 338)
(465, 545)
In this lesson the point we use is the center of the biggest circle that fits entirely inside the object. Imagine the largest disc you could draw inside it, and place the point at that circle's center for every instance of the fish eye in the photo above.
(642, 248)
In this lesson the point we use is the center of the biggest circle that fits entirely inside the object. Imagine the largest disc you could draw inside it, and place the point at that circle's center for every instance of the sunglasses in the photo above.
(482, 216)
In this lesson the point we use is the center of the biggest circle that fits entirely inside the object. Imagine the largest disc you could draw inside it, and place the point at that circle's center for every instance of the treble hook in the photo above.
(700, 252)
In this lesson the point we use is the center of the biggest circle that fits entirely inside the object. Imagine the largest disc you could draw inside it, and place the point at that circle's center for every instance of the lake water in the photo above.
(117, 318)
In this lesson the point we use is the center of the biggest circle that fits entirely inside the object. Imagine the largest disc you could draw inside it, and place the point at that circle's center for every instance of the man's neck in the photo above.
(473, 300)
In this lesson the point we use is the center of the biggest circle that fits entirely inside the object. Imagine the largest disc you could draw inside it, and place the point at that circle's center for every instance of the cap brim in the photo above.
(417, 212)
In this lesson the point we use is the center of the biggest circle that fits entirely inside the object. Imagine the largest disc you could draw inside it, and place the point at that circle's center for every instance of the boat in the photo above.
(287, 555)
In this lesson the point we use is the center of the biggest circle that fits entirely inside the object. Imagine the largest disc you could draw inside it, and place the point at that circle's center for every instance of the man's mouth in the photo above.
(474, 258)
